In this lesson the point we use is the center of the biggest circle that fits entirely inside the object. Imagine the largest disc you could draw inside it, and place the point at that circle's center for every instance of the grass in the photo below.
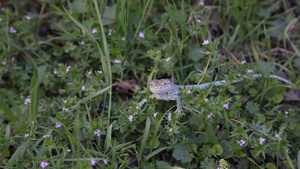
(73, 72)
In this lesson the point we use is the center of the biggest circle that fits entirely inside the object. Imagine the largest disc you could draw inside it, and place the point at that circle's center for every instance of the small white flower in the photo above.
(0, 19)
(68, 150)
(123, 39)
(83, 87)
(205, 42)
(141, 35)
(57, 125)
(44, 164)
(65, 101)
(199, 21)
(27, 101)
(169, 117)
(26, 135)
(243, 62)
(94, 31)
(201, 3)
(12, 30)
(209, 116)
(3, 63)
(105, 161)
(54, 71)
(130, 118)
(249, 70)
(99, 71)
(97, 132)
(27, 17)
(242, 142)
(68, 68)
(82, 42)
(168, 59)
(45, 136)
(155, 114)
(117, 61)
(93, 162)
(170, 129)
(278, 136)
(66, 109)
(226, 105)
(206, 100)
(261, 140)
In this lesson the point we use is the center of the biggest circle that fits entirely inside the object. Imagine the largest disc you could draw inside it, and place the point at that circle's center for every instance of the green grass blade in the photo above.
(288, 158)
(16, 154)
(298, 159)
(7, 111)
(155, 152)
(287, 28)
(18, 112)
(145, 136)
(105, 60)
(156, 131)
(91, 96)
(105, 47)
(233, 37)
(82, 27)
(108, 136)
(141, 20)
(34, 92)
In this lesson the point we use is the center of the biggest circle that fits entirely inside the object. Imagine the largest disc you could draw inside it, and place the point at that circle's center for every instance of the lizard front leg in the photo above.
(141, 103)
(178, 101)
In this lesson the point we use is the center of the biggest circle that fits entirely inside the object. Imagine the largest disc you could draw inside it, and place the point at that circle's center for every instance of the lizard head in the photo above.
(160, 86)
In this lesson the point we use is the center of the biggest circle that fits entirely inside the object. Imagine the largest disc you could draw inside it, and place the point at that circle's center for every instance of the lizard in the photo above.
(164, 89)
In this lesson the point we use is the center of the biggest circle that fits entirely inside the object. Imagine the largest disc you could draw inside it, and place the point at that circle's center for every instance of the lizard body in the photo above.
(164, 89)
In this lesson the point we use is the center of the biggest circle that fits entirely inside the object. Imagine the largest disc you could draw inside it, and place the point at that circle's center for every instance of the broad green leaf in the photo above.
(227, 148)
(79, 6)
(196, 54)
(182, 154)
(263, 12)
(271, 166)
(252, 107)
(218, 149)
(211, 134)
(260, 118)
(277, 98)
(253, 92)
